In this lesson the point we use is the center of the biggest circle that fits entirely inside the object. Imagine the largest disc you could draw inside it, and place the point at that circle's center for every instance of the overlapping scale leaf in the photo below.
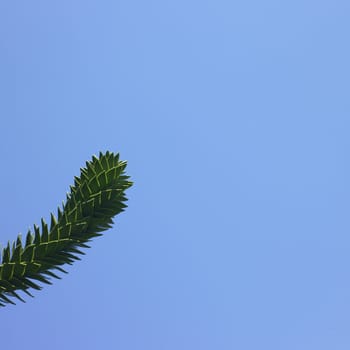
(97, 195)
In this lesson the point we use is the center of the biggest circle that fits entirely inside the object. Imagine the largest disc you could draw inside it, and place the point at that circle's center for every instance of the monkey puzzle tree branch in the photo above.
(97, 195)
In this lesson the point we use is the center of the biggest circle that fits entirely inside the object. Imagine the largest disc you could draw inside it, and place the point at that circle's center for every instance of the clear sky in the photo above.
(234, 119)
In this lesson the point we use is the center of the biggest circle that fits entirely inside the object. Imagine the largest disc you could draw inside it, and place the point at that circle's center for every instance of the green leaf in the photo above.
(97, 195)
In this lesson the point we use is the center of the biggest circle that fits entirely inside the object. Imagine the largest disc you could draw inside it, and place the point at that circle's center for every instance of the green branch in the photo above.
(94, 199)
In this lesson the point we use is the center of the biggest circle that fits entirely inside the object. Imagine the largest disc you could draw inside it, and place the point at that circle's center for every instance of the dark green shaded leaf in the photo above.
(97, 195)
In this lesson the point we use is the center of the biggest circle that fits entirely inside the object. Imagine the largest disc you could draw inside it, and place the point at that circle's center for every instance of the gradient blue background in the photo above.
(234, 118)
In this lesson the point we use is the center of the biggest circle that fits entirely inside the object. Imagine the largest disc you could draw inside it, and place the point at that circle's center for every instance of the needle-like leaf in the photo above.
(95, 198)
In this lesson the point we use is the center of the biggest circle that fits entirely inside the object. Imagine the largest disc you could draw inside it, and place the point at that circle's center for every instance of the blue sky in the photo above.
(234, 119)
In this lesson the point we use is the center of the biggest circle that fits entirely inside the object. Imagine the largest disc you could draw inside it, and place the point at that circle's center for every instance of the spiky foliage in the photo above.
(97, 195)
